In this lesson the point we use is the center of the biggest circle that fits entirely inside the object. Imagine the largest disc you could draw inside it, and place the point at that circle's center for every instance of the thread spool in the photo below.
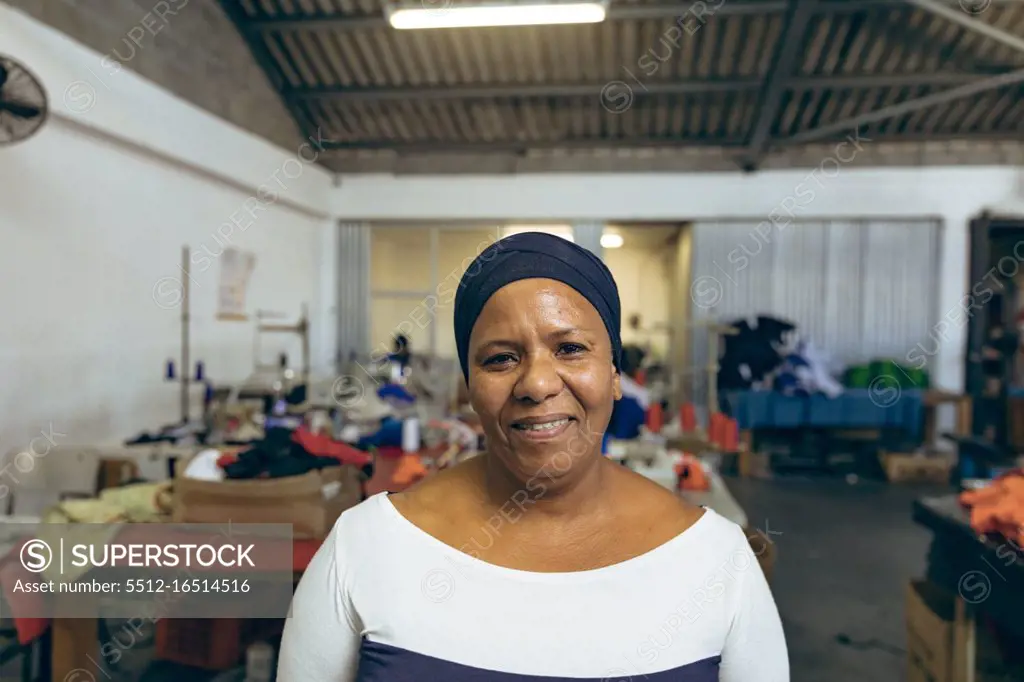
(715, 431)
(688, 418)
(730, 435)
(655, 418)
(411, 435)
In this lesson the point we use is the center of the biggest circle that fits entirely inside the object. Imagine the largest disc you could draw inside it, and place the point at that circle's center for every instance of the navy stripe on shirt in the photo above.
(384, 663)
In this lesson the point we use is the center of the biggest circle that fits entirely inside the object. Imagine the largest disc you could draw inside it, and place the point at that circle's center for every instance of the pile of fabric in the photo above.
(282, 452)
(998, 508)
(805, 372)
(768, 353)
(753, 352)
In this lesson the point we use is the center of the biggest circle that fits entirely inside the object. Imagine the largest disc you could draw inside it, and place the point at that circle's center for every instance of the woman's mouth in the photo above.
(542, 428)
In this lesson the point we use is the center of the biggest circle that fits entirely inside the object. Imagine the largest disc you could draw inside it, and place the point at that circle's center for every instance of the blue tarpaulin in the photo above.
(854, 409)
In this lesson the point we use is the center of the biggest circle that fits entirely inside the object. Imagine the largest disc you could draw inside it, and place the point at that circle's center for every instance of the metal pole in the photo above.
(304, 331)
(958, 16)
(911, 105)
(186, 370)
(435, 254)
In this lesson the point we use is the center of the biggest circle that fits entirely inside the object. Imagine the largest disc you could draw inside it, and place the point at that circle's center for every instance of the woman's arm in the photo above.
(321, 638)
(755, 649)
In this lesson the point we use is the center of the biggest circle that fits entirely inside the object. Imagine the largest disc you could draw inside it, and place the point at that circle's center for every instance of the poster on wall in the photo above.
(236, 268)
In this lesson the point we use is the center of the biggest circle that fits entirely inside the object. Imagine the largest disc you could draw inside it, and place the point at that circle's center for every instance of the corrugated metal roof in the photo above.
(649, 76)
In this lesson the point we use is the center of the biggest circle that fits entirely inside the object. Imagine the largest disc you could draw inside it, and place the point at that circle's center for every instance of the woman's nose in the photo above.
(539, 379)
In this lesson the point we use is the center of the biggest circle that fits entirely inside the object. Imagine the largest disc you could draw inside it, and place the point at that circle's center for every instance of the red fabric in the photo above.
(31, 628)
(325, 446)
(226, 459)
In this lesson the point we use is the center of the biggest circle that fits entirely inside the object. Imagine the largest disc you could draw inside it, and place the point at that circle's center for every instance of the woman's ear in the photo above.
(617, 385)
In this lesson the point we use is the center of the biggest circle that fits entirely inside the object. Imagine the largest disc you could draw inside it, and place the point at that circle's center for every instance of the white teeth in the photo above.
(547, 426)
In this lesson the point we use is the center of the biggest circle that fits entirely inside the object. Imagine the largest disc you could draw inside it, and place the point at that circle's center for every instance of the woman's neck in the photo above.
(546, 495)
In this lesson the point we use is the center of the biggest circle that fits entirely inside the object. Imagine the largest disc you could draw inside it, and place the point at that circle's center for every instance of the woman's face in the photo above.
(541, 378)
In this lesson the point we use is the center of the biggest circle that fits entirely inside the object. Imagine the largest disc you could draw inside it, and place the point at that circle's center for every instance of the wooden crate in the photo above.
(902, 467)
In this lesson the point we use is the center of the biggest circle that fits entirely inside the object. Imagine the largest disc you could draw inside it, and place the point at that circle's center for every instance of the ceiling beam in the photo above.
(665, 10)
(961, 17)
(522, 147)
(960, 92)
(578, 89)
(917, 39)
(267, 64)
(456, 92)
(789, 46)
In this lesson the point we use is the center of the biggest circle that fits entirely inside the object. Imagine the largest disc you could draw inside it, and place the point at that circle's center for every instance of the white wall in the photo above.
(954, 195)
(94, 210)
(644, 275)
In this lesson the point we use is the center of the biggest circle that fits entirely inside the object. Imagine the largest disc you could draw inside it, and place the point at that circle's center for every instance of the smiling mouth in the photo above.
(542, 426)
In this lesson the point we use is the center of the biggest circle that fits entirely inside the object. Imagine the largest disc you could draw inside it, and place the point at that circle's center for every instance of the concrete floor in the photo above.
(845, 555)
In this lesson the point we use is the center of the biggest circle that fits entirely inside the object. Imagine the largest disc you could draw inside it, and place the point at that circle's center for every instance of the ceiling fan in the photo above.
(23, 106)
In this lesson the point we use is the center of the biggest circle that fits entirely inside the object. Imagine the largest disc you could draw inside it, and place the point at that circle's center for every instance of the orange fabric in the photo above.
(395, 474)
(691, 474)
(998, 507)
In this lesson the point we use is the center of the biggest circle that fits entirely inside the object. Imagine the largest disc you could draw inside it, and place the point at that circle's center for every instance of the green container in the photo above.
(858, 376)
(889, 370)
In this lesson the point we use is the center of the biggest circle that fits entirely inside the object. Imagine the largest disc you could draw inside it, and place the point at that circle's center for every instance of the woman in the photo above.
(541, 560)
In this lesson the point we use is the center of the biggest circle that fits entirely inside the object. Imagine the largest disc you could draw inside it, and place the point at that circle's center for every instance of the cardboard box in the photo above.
(311, 503)
(931, 622)
(914, 468)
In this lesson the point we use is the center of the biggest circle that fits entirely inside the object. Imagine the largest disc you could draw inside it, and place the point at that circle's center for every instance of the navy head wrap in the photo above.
(530, 255)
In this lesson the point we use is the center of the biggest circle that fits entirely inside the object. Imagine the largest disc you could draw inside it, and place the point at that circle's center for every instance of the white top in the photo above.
(383, 601)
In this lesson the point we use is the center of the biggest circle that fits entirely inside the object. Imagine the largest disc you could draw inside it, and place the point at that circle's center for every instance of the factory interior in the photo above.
(236, 305)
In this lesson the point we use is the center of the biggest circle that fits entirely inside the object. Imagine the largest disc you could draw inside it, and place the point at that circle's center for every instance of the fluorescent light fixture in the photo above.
(507, 14)
(611, 240)
(563, 231)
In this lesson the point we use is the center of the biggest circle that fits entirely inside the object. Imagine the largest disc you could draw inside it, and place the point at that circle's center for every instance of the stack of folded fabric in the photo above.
(998, 508)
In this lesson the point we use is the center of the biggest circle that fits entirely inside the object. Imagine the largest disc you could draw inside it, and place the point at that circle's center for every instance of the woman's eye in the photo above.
(571, 348)
(499, 359)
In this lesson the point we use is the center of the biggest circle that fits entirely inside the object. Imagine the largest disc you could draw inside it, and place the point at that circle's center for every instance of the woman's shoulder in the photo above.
(663, 515)
(427, 505)
(439, 502)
